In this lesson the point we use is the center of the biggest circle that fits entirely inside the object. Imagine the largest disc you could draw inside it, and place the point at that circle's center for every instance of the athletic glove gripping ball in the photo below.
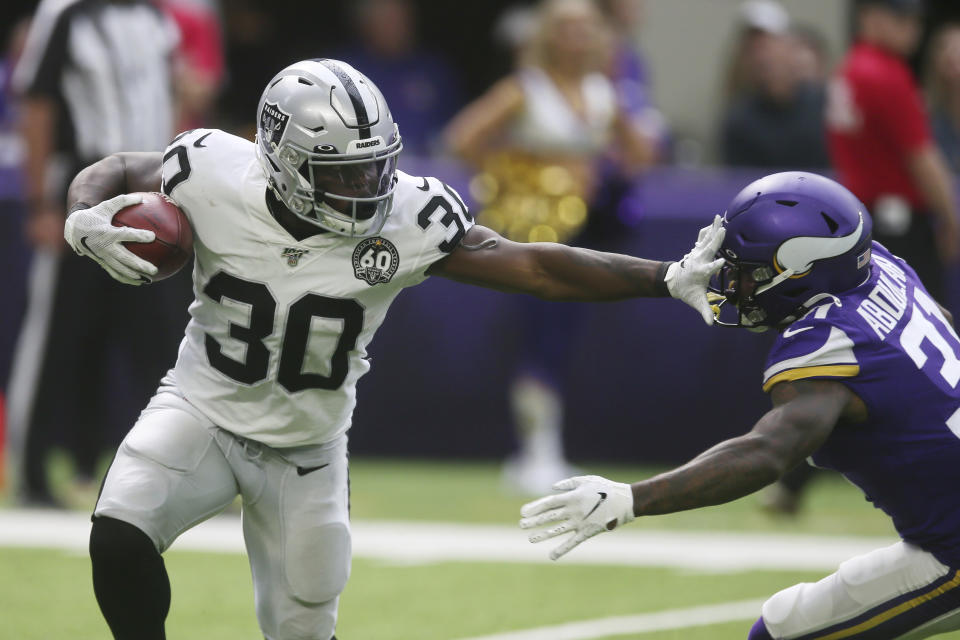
(136, 237)
(172, 247)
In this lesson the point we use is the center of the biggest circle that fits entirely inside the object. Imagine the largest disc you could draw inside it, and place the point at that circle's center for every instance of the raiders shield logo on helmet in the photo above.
(375, 260)
(273, 122)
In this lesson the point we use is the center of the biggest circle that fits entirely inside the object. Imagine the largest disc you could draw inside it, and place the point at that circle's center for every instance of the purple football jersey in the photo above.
(889, 343)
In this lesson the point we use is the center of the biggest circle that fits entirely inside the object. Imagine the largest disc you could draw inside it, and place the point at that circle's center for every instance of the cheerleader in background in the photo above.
(537, 139)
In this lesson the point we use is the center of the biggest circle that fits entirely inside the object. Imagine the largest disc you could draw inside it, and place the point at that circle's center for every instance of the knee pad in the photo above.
(317, 562)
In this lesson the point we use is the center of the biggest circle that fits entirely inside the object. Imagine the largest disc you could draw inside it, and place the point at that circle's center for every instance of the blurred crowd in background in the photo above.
(546, 113)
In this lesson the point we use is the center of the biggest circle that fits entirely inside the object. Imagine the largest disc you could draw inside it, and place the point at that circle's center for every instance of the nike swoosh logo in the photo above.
(90, 253)
(198, 143)
(302, 471)
(603, 497)
(426, 185)
(183, 133)
(789, 333)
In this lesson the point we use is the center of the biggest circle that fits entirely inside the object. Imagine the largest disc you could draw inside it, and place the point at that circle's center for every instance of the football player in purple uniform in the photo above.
(863, 377)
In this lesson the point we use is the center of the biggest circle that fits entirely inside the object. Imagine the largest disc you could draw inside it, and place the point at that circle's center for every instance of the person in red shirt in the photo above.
(880, 143)
(881, 146)
(200, 66)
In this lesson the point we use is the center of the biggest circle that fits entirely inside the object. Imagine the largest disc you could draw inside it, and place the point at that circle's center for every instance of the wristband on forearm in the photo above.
(78, 206)
(659, 281)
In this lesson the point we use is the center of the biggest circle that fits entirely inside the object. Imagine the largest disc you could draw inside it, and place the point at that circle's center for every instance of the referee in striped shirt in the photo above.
(95, 77)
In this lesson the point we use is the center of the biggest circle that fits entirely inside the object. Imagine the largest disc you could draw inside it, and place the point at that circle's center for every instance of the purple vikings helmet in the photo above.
(791, 240)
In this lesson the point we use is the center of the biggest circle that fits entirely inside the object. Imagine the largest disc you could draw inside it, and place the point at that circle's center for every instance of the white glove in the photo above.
(588, 506)
(90, 233)
(687, 280)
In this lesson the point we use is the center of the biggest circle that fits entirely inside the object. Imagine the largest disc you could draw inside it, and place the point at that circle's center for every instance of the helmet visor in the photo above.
(353, 189)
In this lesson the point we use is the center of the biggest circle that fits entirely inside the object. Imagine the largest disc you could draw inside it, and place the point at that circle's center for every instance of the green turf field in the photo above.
(212, 597)
(46, 594)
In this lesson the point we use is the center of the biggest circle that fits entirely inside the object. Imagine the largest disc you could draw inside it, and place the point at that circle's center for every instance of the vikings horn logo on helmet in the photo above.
(798, 254)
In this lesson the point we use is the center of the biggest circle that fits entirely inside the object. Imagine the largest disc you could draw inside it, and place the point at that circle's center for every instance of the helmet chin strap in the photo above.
(775, 281)
(809, 304)
(814, 301)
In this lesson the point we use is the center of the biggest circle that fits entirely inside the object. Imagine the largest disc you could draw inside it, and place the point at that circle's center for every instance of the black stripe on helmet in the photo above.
(363, 120)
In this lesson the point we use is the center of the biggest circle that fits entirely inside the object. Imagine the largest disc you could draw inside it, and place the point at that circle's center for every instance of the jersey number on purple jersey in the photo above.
(941, 335)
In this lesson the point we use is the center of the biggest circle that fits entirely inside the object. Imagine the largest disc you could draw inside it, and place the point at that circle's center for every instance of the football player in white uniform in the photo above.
(301, 240)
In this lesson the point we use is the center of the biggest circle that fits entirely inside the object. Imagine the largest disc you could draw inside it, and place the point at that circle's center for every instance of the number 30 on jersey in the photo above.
(254, 366)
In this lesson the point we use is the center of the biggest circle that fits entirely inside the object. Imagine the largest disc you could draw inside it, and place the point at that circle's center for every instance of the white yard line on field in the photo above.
(642, 623)
(425, 542)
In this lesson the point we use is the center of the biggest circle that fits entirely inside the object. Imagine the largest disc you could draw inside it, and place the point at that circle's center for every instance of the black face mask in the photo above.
(736, 283)
(339, 186)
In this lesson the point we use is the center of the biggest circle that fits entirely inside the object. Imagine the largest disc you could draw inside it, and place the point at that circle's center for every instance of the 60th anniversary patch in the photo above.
(375, 260)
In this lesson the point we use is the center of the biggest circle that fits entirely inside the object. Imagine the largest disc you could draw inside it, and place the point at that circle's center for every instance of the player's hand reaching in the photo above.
(588, 505)
(91, 233)
(687, 280)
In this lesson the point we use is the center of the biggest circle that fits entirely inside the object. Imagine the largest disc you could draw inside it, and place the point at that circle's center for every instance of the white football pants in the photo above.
(900, 591)
(176, 468)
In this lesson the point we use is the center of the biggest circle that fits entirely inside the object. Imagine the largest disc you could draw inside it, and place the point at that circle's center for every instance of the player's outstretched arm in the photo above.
(95, 196)
(804, 415)
(558, 272)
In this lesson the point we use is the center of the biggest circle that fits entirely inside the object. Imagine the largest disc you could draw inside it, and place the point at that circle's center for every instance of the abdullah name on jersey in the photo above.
(888, 341)
(279, 328)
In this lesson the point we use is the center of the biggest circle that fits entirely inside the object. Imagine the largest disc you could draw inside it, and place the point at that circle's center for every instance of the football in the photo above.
(173, 246)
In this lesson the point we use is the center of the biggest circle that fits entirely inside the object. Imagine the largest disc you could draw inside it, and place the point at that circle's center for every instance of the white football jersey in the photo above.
(279, 328)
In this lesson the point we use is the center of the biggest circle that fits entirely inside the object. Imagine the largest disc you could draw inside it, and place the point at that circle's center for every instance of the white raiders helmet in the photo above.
(328, 146)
